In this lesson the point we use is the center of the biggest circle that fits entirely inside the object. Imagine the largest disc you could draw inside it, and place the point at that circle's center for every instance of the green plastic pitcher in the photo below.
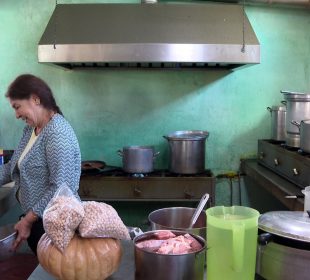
(231, 242)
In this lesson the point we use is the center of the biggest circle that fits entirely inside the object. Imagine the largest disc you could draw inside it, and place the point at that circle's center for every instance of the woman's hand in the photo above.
(23, 228)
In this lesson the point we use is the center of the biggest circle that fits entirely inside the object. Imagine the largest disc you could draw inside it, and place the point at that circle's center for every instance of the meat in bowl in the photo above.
(173, 253)
(168, 243)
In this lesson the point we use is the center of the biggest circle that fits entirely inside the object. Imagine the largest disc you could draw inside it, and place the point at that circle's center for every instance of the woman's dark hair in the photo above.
(26, 85)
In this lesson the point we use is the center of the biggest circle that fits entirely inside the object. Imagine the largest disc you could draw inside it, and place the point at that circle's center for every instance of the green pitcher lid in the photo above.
(291, 224)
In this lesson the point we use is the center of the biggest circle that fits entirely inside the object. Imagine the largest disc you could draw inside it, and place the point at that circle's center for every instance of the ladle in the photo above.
(198, 210)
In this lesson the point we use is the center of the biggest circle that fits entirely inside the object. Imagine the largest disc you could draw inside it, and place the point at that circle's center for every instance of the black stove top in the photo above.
(286, 147)
(118, 172)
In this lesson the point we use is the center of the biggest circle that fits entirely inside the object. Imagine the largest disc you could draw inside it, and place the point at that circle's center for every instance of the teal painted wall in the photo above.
(115, 108)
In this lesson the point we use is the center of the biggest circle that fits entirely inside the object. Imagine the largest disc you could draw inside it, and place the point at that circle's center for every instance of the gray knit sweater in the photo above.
(53, 160)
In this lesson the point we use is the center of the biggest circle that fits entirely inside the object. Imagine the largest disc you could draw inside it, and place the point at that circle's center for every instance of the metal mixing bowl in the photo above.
(7, 237)
(178, 218)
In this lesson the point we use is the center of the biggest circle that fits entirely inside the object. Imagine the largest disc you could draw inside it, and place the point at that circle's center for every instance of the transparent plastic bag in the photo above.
(102, 220)
(62, 217)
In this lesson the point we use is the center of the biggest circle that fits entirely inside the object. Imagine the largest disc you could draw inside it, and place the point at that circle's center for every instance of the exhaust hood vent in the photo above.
(159, 36)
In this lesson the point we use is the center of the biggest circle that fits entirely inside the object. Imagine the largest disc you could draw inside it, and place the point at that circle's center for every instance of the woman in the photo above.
(48, 155)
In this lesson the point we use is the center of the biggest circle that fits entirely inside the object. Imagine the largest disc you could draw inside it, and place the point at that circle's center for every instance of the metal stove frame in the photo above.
(287, 162)
(158, 186)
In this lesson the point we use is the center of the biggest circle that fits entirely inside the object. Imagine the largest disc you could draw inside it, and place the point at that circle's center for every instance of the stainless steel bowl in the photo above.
(178, 218)
(7, 238)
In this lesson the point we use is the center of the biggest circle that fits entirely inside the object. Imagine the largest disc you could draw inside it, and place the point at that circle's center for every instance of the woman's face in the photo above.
(26, 109)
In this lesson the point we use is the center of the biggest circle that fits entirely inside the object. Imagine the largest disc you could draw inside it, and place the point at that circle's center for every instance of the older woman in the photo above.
(48, 155)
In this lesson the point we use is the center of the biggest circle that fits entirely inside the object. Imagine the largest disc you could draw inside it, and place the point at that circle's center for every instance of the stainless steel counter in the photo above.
(126, 269)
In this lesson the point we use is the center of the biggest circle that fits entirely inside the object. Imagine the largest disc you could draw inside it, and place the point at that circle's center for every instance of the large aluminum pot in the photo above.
(283, 251)
(298, 109)
(149, 265)
(278, 119)
(178, 218)
(304, 129)
(138, 159)
(187, 151)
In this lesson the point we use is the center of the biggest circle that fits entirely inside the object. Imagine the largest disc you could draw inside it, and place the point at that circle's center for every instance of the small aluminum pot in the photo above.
(173, 267)
(304, 128)
(138, 159)
(178, 218)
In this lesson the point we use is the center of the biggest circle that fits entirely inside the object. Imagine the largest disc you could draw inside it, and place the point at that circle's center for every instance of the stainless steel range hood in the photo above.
(159, 35)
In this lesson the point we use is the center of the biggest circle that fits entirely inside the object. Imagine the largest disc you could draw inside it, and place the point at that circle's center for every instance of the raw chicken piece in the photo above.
(170, 244)
(195, 245)
(150, 244)
(175, 245)
(165, 234)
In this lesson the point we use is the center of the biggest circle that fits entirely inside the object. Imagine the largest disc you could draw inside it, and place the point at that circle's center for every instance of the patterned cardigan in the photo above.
(53, 160)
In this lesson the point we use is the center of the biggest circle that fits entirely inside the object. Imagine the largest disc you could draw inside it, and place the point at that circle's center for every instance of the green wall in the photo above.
(110, 109)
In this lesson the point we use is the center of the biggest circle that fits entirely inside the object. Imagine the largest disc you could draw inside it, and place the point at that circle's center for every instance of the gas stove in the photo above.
(288, 162)
(113, 184)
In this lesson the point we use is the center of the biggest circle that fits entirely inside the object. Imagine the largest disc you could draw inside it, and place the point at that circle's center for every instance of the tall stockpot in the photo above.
(278, 119)
(187, 151)
(283, 245)
(297, 109)
(149, 265)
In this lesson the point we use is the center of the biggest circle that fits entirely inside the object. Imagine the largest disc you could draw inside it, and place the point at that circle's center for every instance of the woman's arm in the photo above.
(23, 227)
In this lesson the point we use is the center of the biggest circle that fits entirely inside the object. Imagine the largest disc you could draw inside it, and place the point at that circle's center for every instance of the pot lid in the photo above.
(188, 135)
(295, 96)
(291, 224)
(305, 121)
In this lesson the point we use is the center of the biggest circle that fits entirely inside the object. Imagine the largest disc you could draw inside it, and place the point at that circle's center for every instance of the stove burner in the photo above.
(277, 142)
(303, 153)
(290, 148)
(138, 175)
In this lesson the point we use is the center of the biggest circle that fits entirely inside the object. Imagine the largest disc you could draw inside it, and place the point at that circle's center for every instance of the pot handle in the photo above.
(134, 232)
(156, 154)
(264, 238)
(120, 153)
(296, 123)
(284, 102)
(238, 231)
(269, 109)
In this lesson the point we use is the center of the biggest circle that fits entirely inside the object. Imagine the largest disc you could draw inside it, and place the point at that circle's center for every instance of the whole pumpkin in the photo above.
(83, 259)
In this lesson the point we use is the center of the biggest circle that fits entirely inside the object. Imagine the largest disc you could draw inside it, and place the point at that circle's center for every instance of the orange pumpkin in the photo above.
(83, 259)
